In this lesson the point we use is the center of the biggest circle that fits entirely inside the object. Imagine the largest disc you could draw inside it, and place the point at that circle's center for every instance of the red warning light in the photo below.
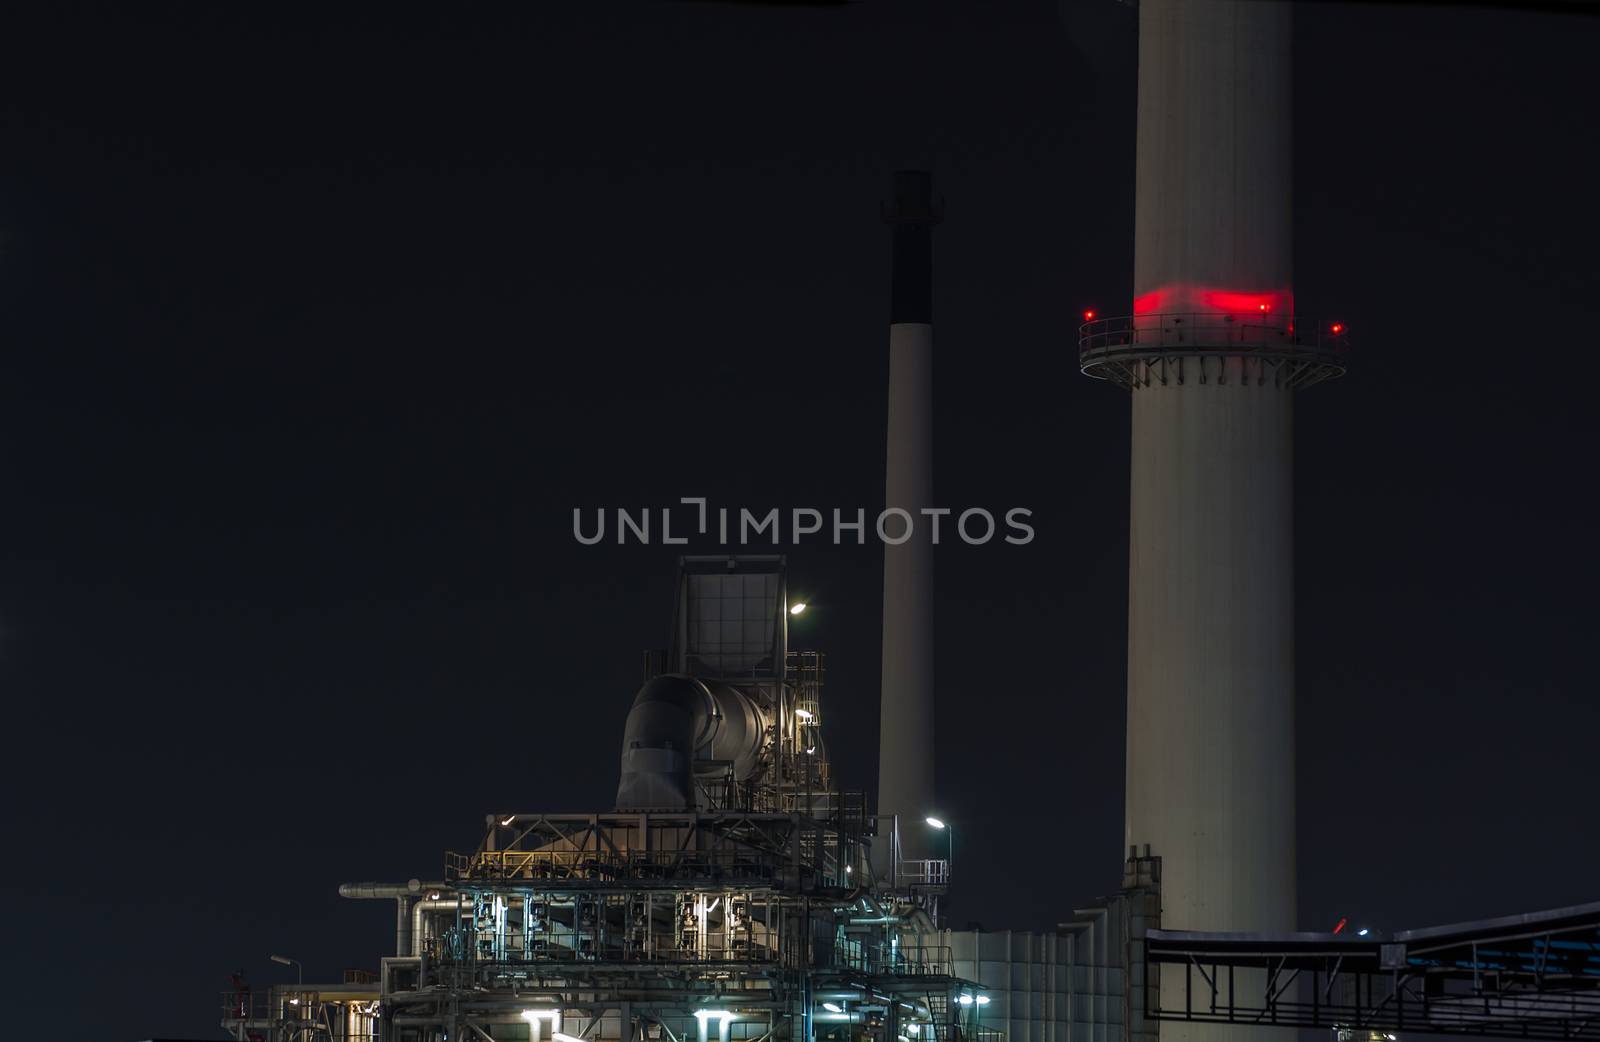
(1265, 308)
(1341, 925)
(1088, 316)
(1338, 327)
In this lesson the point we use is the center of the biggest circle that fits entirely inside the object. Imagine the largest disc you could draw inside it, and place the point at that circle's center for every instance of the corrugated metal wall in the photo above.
(1056, 987)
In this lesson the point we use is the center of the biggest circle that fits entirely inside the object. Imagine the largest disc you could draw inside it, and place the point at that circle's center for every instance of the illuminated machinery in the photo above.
(730, 895)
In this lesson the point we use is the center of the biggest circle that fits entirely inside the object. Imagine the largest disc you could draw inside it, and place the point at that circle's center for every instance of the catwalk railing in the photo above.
(299, 1013)
(1293, 350)
(924, 872)
(780, 849)
(601, 866)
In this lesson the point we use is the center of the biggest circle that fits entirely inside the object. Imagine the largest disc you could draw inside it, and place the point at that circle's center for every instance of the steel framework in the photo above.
(1529, 976)
(754, 913)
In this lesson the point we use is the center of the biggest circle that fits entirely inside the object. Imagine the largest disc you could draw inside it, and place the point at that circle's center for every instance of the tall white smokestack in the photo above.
(905, 764)
(1212, 355)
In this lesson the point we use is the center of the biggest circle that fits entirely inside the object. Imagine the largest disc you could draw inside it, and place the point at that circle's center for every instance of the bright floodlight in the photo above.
(804, 714)
(720, 1014)
(282, 960)
(1361, 932)
(965, 1000)
(832, 1007)
(797, 607)
(935, 822)
(983, 1000)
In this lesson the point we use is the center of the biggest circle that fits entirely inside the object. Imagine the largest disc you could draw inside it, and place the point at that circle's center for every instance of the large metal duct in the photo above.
(676, 722)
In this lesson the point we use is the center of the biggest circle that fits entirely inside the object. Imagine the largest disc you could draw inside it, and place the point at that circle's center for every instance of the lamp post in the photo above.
(300, 971)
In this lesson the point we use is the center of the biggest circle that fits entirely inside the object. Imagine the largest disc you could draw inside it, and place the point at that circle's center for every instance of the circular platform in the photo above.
(1140, 350)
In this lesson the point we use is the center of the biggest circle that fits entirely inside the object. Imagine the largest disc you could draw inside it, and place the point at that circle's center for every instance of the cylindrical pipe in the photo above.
(374, 891)
(401, 893)
(906, 753)
(402, 926)
(421, 910)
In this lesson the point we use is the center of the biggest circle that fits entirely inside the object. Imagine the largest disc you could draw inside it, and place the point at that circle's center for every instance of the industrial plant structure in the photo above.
(734, 892)
(731, 893)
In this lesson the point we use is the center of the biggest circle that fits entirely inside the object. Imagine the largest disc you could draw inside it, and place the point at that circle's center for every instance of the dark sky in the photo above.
(314, 333)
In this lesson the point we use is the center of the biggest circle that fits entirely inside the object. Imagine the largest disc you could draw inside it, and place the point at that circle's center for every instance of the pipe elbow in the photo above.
(658, 744)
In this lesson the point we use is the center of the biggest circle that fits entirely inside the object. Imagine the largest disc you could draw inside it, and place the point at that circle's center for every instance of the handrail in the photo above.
(1136, 350)
(559, 863)
(1232, 331)
(925, 871)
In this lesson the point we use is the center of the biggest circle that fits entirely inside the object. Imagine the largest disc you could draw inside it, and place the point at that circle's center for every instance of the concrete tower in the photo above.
(1213, 353)
(905, 764)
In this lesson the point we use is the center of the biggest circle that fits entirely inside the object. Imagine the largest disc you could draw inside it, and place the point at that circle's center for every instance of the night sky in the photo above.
(315, 332)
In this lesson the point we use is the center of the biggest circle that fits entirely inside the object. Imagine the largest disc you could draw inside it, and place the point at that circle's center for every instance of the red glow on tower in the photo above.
(1185, 299)
(1088, 316)
(1342, 921)
(1338, 327)
(1148, 304)
(1235, 302)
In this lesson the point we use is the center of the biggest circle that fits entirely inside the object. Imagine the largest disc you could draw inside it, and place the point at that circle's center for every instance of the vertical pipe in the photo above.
(905, 765)
(1210, 782)
(402, 926)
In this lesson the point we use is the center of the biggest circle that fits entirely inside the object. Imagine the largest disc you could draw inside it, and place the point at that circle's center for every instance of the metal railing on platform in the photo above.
(601, 866)
(1196, 329)
(925, 872)
(930, 960)
(1136, 350)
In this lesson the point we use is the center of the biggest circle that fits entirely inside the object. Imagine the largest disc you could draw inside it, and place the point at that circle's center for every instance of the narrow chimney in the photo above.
(906, 755)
